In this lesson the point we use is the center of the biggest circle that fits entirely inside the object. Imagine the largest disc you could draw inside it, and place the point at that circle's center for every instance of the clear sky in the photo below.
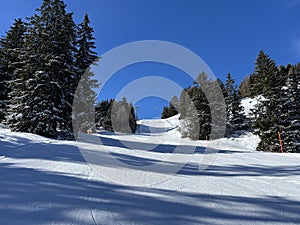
(226, 34)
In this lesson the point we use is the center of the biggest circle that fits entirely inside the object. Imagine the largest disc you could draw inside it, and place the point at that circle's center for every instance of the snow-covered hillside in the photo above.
(45, 181)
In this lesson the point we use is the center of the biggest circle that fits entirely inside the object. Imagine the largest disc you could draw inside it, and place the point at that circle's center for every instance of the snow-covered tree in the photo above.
(234, 109)
(85, 95)
(10, 49)
(44, 87)
(290, 118)
(195, 110)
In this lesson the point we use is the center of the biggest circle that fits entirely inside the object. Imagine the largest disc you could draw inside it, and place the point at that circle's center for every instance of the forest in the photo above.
(43, 59)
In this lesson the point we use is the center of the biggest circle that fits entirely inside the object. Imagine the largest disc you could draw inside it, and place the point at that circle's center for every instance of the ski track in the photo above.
(45, 181)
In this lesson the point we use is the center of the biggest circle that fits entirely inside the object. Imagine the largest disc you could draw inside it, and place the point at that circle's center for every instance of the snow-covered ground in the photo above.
(45, 181)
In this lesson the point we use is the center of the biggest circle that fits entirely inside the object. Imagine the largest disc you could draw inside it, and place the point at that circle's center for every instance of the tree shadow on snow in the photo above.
(162, 148)
(31, 196)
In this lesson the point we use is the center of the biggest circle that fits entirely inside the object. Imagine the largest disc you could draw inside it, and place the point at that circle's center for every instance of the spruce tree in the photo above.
(48, 76)
(184, 101)
(266, 126)
(101, 110)
(103, 114)
(268, 112)
(165, 112)
(290, 117)
(85, 95)
(200, 117)
(261, 80)
(123, 117)
(10, 49)
(234, 111)
(172, 109)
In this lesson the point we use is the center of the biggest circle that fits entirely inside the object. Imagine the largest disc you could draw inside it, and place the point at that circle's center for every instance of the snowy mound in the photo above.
(156, 126)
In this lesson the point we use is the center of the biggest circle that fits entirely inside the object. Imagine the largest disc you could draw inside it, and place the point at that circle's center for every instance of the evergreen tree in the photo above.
(10, 48)
(86, 55)
(184, 102)
(195, 110)
(222, 86)
(103, 114)
(101, 110)
(123, 117)
(234, 111)
(116, 116)
(165, 112)
(85, 96)
(132, 119)
(261, 80)
(44, 88)
(266, 126)
(290, 118)
(172, 109)
(270, 80)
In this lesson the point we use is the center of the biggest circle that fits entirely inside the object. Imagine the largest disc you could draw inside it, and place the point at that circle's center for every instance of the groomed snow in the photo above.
(44, 181)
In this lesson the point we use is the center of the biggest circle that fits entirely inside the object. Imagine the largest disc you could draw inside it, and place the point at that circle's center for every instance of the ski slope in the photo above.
(45, 181)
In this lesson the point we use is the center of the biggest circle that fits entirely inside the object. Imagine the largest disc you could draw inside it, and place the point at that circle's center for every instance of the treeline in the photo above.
(278, 111)
(195, 109)
(277, 115)
(116, 116)
(41, 62)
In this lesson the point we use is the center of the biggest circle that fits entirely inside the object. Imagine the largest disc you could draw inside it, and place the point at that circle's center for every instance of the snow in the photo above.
(248, 104)
(45, 181)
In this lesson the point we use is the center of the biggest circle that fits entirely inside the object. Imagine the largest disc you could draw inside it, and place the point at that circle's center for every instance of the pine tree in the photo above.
(103, 114)
(261, 80)
(85, 96)
(184, 102)
(174, 106)
(10, 49)
(165, 112)
(123, 117)
(266, 126)
(291, 111)
(132, 119)
(197, 120)
(44, 88)
(101, 110)
(234, 111)
(172, 109)
(268, 122)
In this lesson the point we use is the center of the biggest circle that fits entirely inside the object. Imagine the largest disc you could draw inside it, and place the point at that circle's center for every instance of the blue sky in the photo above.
(227, 35)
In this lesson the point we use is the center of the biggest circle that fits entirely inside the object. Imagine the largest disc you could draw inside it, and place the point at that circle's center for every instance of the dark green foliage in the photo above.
(49, 65)
(103, 114)
(234, 110)
(165, 112)
(10, 49)
(123, 117)
(116, 116)
(290, 116)
(272, 113)
(172, 109)
(85, 95)
(267, 125)
(195, 110)
(261, 80)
